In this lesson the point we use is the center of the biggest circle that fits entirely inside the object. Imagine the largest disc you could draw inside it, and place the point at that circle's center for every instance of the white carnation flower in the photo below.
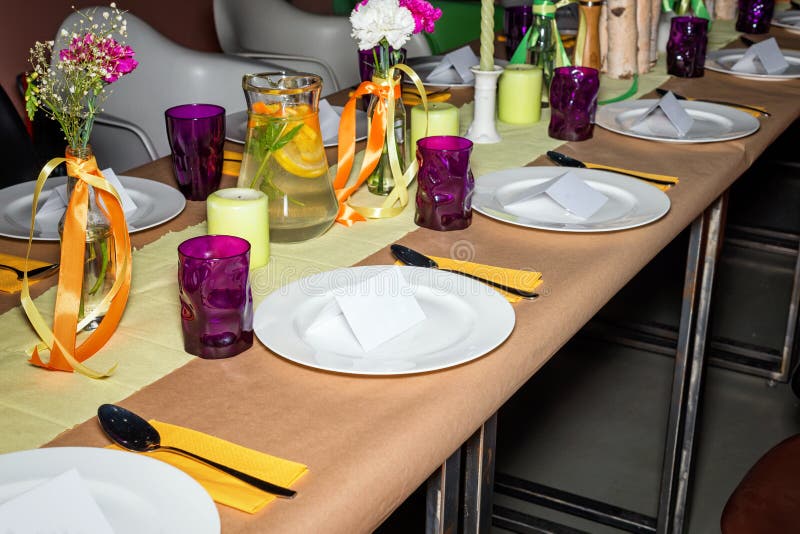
(381, 19)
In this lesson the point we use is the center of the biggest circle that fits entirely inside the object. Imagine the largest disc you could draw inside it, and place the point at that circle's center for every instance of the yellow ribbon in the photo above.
(61, 340)
(381, 130)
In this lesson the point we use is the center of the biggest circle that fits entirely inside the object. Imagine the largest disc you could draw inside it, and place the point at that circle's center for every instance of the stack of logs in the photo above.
(629, 33)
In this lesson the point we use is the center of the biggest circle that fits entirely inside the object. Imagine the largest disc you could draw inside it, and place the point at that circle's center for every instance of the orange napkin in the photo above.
(644, 175)
(8, 279)
(232, 162)
(524, 280)
(224, 488)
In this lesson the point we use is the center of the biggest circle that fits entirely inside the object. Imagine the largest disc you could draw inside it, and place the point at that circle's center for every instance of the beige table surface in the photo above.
(369, 442)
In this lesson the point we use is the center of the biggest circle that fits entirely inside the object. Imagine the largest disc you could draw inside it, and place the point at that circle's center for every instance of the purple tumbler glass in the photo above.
(196, 135)
(516, 22)
(573, 103)
(216, 304)
(754, 16)
(444, 183)
(686, 47)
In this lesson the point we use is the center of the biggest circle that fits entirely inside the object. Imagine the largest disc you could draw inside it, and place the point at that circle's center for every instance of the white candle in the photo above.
(241, 212)
(487, 34)
(441, 119)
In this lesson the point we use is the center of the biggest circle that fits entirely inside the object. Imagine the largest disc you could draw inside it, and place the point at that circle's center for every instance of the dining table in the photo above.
(370, 441)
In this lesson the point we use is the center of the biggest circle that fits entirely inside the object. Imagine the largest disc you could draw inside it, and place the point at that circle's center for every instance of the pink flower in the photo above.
(424, 14)
(108, 56)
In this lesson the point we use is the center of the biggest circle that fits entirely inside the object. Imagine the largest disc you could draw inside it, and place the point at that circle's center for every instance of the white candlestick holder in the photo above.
(483, 129)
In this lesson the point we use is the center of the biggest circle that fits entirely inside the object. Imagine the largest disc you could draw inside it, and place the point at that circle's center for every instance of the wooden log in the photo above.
(655, 18)
(621, 38)
(643, 16)
(604, 37)
(725, 9)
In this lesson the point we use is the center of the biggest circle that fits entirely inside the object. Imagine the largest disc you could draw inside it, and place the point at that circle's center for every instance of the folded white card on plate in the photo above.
(569, 191)
(762, 58)
(670, 108)
(58, 199)
(328, 119)
(374, 311)
(462, 60)
(70, 509)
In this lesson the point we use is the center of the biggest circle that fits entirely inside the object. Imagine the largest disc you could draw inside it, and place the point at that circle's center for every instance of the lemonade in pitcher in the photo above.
(284, 155)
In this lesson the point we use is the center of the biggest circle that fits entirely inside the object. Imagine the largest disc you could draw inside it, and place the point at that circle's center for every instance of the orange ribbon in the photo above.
(61, 341)
(347, 145)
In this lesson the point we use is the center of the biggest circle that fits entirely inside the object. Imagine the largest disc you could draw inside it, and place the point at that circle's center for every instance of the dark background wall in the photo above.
(187, 22)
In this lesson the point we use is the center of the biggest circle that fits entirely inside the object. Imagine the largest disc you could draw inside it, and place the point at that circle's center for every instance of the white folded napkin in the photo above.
(569, 191)
(328, 120)
(460, 60)
(762, 58)
(666, 116)
(60, 505)
(367, 314)
(58, 200)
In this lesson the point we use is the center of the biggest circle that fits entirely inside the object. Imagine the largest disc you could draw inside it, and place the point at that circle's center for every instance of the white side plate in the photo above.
(787, 19)
(465, 319)
(712, 122)
(156, 203)
(136, 494)
(631, 202)
(723, 60)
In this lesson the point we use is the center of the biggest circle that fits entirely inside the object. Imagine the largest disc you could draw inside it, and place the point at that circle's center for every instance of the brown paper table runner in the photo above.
(369, 442)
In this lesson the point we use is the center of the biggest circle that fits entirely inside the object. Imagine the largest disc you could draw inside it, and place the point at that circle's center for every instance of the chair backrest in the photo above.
(459, 24)
(16, 149)
(168, 74)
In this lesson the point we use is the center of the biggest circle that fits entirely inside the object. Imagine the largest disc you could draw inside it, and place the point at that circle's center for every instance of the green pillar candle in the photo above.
(519, 94)
(441, 119)
(241, 212)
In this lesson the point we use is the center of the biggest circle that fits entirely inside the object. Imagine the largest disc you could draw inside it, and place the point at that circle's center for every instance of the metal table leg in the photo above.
(704, 242)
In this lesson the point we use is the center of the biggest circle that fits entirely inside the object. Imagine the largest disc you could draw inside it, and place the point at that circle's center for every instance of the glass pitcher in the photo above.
(284, 155)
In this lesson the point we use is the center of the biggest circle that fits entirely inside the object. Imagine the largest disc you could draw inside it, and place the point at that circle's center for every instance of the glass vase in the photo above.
(98, 271)
(381, 181)
(284, 154)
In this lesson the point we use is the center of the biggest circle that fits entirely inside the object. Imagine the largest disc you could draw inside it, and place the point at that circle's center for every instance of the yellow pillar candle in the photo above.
(519, 94)
(487, 34)
(241, 212)
(441, 119)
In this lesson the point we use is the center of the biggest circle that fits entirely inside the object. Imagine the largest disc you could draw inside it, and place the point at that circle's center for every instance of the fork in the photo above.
(38, 272)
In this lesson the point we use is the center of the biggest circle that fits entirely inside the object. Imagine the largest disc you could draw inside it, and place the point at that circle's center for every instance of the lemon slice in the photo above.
(304, 155)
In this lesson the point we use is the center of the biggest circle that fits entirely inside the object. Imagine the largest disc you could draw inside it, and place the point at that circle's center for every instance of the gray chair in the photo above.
(288, 36)
(131, 130)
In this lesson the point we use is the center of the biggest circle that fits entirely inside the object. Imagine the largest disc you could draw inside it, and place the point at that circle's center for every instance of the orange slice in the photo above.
(304, 155)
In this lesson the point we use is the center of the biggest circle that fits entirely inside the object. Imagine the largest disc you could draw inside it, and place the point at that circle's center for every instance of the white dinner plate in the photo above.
(787, 19)
(464, 319)
(156, 203)
(723, 60)
(631, 202)
(423, 66)
(712, 122)
(236, 128)
(136, 494)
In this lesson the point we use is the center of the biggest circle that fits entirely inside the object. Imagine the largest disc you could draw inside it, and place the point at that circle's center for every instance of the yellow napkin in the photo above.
(8, 279)
(662, 177)
(524, 280)
(232, 162)
(412, 98)
(224, 488)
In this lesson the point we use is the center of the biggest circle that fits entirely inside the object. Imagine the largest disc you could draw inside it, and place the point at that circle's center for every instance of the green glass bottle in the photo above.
(542, 43)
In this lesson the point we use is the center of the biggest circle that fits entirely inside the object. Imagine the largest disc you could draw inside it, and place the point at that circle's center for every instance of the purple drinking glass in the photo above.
(686, 47)
(216, 304)
(754, 16)
(573, 103)
(196, 135)
(366, 60)
(516, 22)
(444, 183)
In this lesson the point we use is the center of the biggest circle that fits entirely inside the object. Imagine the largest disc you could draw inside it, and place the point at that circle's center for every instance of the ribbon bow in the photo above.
(61, 340)
(387, 93)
